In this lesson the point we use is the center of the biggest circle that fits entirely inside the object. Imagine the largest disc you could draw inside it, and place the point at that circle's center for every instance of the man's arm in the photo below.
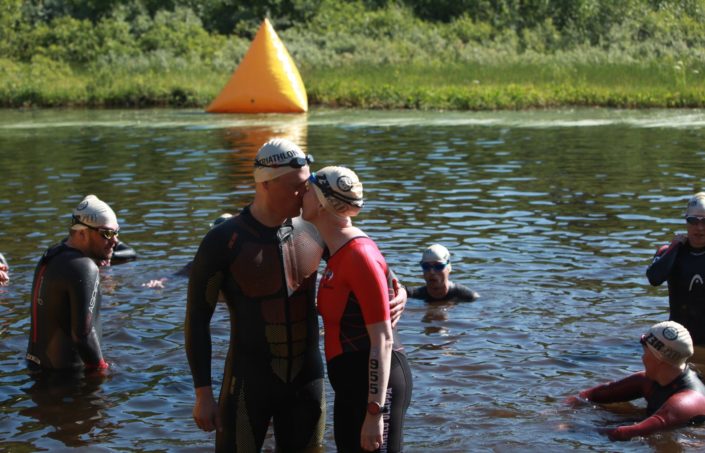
(83, 281)
(660, 267)
(679, 410)
(204, 284)
(627, 389)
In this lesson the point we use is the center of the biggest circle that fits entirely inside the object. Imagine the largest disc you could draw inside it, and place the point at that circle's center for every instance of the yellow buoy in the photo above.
(266, 81)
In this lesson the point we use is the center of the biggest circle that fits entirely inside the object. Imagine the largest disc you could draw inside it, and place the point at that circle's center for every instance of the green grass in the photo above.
(515, 84)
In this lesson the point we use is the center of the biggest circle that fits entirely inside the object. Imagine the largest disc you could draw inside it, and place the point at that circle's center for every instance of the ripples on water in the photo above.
(551, 216)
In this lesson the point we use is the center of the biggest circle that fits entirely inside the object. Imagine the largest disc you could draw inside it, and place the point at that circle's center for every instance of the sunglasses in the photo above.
(435, 266)
(107, 233)
(296, 162)
(694, 220)
(324, 185)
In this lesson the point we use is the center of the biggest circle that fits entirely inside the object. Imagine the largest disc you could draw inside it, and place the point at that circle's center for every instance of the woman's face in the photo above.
(310, 205)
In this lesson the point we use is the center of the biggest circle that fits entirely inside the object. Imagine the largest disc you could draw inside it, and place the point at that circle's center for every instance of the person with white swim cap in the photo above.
(65, 329)
(682, 264)
(264, 262)
(435, 263)
(367, 367)
(674, 394)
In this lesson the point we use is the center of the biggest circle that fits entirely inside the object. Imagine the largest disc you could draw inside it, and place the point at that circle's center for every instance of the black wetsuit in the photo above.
(274, 367)
(684, 269)
(65, 328)
(457, 292)
(123, 253)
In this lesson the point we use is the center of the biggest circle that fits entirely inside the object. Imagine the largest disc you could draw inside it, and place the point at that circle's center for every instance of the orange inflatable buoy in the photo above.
(266, 81)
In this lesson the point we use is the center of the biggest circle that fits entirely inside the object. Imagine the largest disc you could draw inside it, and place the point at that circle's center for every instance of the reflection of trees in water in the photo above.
(72, 404)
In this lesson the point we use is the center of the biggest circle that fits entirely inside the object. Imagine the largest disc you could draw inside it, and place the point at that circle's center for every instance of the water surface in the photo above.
(552, 216)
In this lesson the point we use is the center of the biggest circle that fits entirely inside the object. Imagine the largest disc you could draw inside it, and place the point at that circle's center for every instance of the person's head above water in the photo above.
(94, 228)
(338, 190)
(280, 170)
(668, 342)
(695, 220)
(435, 264)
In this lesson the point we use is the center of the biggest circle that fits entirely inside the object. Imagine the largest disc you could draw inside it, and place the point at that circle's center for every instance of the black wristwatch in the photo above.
(374, 408)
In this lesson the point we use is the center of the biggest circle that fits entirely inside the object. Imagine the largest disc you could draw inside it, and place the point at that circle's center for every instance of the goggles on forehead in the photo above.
(107, 233)
(295, 162)
(435, 266)
(327, 190)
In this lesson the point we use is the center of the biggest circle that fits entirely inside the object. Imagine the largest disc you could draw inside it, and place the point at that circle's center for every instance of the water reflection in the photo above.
(72, 406)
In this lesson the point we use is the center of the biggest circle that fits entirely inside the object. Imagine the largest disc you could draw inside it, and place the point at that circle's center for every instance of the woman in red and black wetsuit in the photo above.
(366, 367)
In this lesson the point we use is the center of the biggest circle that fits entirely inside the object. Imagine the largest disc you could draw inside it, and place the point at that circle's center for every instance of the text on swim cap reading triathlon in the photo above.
(660, 346)
(279, 157)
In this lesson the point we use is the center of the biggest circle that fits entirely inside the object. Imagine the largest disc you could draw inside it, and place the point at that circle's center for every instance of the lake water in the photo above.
(552, 216)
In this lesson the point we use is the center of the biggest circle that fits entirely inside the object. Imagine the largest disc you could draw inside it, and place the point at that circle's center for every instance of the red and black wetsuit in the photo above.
(273, 369)
(65, 331)
(457, 292)
(670, 406)
(684, 268)
(355, 291)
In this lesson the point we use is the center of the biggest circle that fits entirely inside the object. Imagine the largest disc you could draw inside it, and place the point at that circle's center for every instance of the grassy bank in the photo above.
(636, 53)
(515, 84)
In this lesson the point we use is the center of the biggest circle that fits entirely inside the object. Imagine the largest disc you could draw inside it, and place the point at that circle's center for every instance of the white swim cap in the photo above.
(696, 205)
(338, 189)
(92, 211)
(277, 157)
(670, 342)
(435, 253)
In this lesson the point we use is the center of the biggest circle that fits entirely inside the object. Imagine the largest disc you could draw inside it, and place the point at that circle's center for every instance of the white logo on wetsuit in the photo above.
(94, 295)
(696, 279)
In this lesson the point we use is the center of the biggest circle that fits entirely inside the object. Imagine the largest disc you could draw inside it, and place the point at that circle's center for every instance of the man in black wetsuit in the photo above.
(435, 263)
(65, 330)
(264, 261)
(682, 265)
(674, 394)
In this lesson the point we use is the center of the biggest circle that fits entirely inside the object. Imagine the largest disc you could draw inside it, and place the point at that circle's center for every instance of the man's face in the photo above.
(695, 225)
(100, 248)
(286, 193)
(436, 274)
(650, 361)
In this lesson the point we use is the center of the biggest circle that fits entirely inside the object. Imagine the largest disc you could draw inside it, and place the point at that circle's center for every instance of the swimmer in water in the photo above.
(435, 263)
(65, 328)
(682, 265)
(674, 394)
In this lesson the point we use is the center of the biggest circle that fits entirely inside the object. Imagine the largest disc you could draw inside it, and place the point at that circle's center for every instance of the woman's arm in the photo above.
(379, 366)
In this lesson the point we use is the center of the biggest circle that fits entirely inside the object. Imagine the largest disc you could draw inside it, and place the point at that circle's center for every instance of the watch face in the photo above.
(373, 408)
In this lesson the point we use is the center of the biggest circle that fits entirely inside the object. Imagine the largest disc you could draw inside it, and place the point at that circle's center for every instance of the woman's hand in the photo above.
(371, 435)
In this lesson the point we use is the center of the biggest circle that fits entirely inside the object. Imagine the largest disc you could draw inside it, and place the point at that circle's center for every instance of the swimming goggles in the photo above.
(296, 162)
(435, 266)
(694, 219)
(107, 233)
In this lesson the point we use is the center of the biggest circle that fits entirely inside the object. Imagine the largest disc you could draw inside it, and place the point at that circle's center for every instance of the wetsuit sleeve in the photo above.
(368, 280)
(627, 389)
(203, 288)
(660, 267)
(83, 281)
(678, 410)
(123, 252)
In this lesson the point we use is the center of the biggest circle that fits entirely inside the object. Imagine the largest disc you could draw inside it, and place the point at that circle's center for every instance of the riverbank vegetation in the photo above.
(425, 54)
